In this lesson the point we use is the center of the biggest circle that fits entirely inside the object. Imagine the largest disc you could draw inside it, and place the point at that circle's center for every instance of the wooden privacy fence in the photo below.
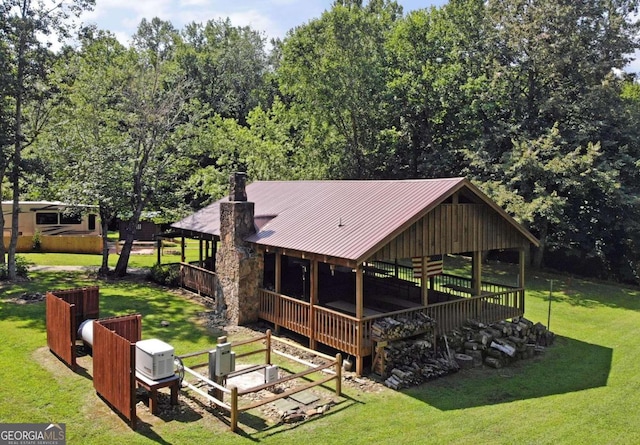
(60, 243)
(65, 311)
(114, 362)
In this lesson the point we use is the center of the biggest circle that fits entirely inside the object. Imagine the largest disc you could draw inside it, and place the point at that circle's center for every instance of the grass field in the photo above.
(584, 389)
(169, 255)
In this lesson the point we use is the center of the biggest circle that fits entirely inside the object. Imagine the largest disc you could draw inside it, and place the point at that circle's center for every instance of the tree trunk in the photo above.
(125, 253)
(104, 221)
(538, 253)
(3, 251)
(123, 259)
(17, 157)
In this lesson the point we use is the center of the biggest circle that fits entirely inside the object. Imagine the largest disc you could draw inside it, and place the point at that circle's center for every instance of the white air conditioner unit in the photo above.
(154, 359)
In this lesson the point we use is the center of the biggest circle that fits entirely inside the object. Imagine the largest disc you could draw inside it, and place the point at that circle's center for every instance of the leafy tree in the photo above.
(226, 66)
(27, 58)
(541, 182)
(334, 68)
(436, 76)
(155, 102)
(86, 142)
(549, 65)
(121, 126)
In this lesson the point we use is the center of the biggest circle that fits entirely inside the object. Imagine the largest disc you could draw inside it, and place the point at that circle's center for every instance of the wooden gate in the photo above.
(61, 332)
(66, 310)
(114, 356)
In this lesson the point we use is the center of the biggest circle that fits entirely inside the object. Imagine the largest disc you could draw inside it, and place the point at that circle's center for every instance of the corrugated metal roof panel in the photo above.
(343, 219)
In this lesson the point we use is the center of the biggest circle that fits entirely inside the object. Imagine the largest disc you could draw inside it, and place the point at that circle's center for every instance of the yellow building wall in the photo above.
(60, 244)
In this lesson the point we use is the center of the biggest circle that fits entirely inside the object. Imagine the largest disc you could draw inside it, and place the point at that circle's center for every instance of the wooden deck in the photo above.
(340, 330)
(335, 325)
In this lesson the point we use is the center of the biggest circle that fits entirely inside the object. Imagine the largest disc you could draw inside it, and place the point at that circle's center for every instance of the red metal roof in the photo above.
(343, 219)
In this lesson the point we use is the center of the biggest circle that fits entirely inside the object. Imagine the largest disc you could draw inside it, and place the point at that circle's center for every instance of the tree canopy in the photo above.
(525, 97)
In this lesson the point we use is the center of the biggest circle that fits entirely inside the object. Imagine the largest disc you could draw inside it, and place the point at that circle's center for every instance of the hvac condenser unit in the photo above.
(154, 359)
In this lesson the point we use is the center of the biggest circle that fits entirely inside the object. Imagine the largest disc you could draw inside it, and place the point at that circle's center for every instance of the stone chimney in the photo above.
(238, 266)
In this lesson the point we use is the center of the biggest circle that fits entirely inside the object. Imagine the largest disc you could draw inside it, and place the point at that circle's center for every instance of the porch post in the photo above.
(182, 248)
(278, 272)
(476, 273)
(313, 299)
(200, 252)
(359, 291)
(359, 314)
(424, 280)
(278, 286)
(214, 249)
(521, 261)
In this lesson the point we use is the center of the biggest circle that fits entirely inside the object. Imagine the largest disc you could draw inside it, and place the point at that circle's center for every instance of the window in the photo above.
(70, 219)
(92, 222)
(44, 218)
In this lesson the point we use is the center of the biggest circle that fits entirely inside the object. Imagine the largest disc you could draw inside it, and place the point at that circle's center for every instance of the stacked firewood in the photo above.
(406, 354)
(391, 329)
(412, 361)
(498, 344)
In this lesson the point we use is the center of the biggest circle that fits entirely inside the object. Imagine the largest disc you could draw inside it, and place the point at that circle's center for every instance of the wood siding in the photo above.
(66, 310)
(114, 377)
(61, 335)
(85, 299)
(453, 228)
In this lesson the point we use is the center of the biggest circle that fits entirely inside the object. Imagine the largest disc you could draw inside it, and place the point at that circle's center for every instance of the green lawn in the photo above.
(583, 390)
(170, 255)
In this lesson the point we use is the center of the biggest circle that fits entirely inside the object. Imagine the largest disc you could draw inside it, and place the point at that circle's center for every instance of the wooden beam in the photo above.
(278, 272)
(359, 292)
(424, 280)
(313, 300)
(476, 273)
(310, 256)
(200, 253)
(521, 261)
(214, 253)
(182, 249)
(278, 285)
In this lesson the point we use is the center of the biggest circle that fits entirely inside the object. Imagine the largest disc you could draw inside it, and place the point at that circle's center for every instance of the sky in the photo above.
(273, 17)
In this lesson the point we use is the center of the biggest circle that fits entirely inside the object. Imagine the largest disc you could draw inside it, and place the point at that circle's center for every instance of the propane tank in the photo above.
(85, 332)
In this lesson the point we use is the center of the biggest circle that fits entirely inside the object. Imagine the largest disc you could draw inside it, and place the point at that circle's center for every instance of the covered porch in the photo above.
(337, 305)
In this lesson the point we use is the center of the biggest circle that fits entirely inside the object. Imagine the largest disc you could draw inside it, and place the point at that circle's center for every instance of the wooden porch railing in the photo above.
(462, 286)
(352, 336)
(288, 312)
(487, 308)
(198, 279)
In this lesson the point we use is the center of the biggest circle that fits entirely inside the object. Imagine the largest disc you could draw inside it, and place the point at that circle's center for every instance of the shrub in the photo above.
(166, 275)
(37, 241)
(22, 268)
